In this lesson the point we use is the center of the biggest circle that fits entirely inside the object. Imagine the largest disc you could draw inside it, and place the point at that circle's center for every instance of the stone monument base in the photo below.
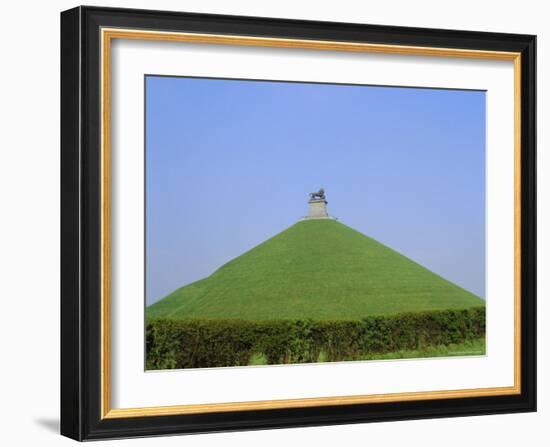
(318, 209)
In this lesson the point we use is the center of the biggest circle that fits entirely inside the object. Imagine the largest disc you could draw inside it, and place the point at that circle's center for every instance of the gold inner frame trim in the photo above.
(107, 35)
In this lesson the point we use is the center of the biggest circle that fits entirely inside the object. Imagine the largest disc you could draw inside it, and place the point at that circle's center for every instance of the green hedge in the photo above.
(214, 343)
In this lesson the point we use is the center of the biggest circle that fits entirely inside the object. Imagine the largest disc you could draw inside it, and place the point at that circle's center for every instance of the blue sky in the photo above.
(230, 163)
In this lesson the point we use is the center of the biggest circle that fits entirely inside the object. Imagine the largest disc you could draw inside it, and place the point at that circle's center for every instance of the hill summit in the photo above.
(316, 269)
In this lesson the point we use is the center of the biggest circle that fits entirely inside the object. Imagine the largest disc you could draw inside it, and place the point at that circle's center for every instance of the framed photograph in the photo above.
(276, 223)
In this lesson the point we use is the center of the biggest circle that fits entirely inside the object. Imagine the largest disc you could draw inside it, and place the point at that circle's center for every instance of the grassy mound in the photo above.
(316, 269)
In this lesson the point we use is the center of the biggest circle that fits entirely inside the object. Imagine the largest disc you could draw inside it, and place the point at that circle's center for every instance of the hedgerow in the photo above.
(202, 343)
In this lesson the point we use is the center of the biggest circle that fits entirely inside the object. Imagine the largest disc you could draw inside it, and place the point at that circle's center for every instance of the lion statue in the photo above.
(317, 195)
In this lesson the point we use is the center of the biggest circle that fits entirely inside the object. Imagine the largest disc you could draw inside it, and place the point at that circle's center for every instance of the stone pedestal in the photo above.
(317, 209)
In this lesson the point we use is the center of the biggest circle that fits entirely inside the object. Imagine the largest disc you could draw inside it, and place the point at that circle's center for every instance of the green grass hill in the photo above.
(317, 269)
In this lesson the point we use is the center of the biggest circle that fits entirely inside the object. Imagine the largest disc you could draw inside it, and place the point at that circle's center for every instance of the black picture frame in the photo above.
(81, 224)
